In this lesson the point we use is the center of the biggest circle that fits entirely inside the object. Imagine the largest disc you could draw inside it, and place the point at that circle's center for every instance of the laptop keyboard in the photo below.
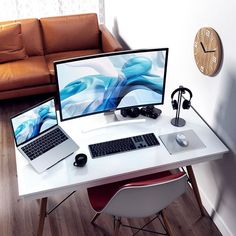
(44, 143)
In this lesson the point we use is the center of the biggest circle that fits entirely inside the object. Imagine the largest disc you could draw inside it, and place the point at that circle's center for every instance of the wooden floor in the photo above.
(20, 217)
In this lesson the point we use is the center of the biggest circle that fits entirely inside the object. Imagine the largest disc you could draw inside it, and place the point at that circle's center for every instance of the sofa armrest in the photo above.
(109, 43)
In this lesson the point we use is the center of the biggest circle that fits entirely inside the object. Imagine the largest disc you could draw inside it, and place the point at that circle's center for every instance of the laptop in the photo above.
(39, 138)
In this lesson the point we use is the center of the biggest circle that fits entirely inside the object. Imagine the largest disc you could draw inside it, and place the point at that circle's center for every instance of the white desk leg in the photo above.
(195, 188)
(42, 215)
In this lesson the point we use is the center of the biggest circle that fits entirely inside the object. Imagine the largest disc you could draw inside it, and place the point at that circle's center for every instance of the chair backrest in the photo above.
(142, 199)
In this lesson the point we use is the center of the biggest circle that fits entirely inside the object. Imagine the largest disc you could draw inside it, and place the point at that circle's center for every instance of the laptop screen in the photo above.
(36, 120)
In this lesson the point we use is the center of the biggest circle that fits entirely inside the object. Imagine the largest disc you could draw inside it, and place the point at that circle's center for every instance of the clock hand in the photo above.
(210, 51)
(203, 47)
(206, 51)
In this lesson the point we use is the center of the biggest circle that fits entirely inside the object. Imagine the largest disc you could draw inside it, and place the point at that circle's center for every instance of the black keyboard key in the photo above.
(151, 139)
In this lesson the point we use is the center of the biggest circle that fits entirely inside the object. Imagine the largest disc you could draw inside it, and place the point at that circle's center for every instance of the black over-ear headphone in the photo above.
(186, 103)
(131, 112)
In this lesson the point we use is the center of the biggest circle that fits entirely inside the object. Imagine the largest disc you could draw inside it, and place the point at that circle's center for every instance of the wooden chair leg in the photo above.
(95, 217)
(166, 223)
(195, 188)
(117, 226)
(42, 215)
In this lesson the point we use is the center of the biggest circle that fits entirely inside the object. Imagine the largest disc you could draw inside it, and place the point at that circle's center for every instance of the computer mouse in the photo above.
(181, 140)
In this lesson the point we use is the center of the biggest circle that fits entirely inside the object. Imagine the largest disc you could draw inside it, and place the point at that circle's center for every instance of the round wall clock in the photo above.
(207, 51)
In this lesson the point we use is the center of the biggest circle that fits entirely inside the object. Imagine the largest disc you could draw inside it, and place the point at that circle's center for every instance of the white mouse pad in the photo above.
(169, 140)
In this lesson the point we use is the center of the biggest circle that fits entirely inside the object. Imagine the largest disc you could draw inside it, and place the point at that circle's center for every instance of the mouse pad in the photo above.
(169, 140)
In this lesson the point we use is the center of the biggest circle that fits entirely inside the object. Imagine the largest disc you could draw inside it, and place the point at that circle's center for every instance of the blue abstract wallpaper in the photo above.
(106, 83)
(33, 122)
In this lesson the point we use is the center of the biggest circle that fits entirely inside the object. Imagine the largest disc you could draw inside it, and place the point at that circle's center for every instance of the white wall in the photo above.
(173, 24)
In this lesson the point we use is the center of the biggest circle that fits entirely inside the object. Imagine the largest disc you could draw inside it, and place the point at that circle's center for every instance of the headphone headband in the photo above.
(183, 89)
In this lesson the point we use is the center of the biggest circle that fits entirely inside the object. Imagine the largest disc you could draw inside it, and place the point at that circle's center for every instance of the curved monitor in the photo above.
(110, 81)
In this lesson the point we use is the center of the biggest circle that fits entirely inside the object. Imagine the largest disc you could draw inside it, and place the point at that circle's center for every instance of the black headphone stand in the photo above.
(177, 121)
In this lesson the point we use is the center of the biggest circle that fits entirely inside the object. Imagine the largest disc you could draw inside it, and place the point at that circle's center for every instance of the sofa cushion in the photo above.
(31, 34)
(70, 33)
(50, 58)
(24, 73)
(11, 43)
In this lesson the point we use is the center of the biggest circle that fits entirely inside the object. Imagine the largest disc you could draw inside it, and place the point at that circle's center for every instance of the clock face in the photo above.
(207, 51)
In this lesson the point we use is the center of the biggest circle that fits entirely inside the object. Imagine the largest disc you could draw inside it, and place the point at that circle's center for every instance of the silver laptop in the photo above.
(39, 137)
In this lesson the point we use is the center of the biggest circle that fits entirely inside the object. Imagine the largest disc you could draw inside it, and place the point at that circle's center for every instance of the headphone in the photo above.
(131, 112)
(186, 103)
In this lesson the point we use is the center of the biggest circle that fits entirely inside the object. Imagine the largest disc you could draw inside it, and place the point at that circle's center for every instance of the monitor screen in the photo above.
(106, 82)
(36, 120)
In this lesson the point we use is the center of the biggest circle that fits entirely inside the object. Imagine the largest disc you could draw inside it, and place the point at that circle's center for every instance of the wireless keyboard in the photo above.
(123, 145)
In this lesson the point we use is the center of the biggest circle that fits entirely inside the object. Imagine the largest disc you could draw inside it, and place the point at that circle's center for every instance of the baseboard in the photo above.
(218, 220)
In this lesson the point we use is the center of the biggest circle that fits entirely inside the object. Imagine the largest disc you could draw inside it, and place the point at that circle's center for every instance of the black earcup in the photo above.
(174, 104)
(131, 112)
(186, 104)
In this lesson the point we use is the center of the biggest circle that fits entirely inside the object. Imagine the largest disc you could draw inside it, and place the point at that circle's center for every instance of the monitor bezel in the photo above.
(55, 63)
(28, 109)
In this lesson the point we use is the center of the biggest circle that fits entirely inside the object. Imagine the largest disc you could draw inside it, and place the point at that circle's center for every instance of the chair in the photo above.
(138, 197)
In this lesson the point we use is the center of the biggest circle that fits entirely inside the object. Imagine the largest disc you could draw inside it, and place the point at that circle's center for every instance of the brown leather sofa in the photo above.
(31, 45)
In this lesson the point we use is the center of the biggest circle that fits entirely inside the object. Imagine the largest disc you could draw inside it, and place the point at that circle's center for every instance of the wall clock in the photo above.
(207, 51)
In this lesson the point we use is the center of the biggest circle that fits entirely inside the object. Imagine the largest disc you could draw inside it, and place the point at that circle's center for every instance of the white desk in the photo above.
(64, 177)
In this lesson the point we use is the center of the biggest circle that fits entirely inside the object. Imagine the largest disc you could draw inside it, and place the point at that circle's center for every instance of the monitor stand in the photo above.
(114, 118)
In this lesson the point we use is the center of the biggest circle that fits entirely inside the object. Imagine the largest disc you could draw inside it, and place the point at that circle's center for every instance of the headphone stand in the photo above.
(177, 121)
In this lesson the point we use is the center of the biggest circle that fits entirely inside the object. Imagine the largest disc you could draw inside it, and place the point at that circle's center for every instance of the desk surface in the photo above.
(64, 177)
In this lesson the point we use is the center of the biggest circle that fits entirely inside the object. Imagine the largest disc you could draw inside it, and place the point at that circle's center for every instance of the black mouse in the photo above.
(80, 160)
